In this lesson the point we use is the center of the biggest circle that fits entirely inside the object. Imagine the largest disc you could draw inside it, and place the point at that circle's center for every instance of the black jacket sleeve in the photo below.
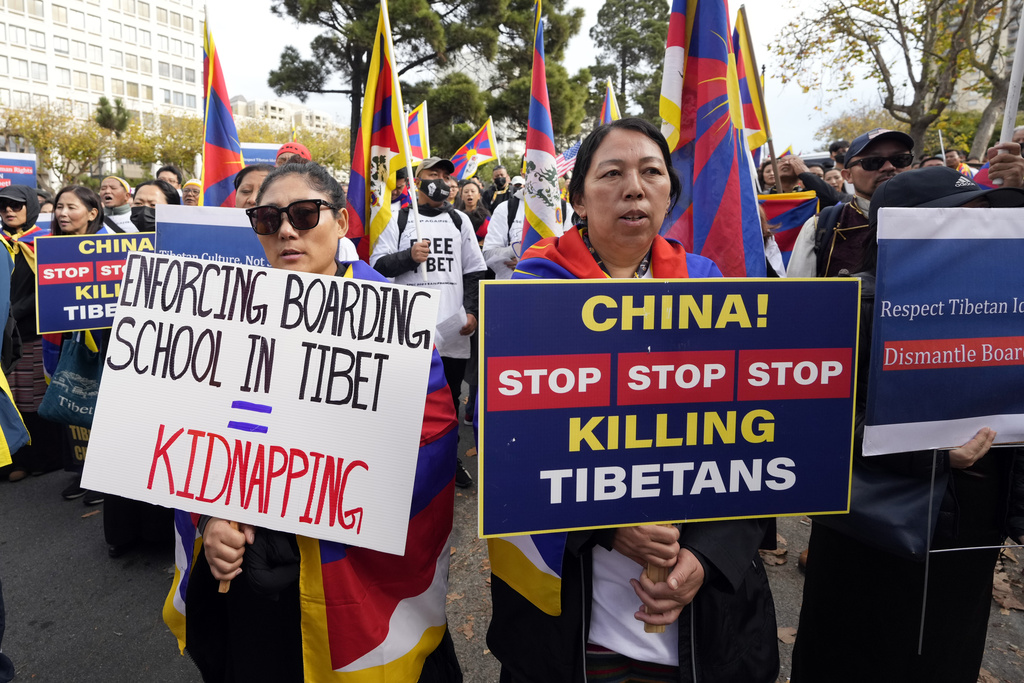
(393, 265)
(471, 292)
(827, 194)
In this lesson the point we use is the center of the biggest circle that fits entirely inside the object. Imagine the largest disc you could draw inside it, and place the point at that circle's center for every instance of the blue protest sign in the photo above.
(17, 169)
(616, 403)
(260, 152)
(947, 350)
(213, 233)
(78, 279)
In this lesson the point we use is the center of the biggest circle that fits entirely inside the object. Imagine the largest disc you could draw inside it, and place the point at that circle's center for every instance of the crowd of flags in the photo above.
(711, 102)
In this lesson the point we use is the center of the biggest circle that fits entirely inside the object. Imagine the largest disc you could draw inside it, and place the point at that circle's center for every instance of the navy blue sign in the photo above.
(17, 169)
(260, 153)
(615, 403)
(211, 233)
(947, 352)
(78, 279)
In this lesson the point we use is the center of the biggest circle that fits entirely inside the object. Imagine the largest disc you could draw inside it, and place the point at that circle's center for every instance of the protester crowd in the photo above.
(861, 603)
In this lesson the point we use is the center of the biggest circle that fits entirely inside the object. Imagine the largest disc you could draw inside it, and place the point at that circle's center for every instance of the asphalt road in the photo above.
(75, 615)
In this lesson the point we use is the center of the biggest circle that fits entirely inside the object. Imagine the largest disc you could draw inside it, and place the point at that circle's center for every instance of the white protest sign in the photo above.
(284, 400)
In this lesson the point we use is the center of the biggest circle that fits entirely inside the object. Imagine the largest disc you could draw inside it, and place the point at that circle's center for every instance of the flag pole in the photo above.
(413, 195)
(425, 130)
(760, 95)
(497, 154)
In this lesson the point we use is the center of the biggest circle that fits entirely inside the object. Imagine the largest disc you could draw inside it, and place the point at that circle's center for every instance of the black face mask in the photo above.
(436, 190)
(144, 218)
(500, 182)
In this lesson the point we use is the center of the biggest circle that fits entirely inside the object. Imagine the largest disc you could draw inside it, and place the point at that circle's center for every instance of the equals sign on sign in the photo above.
(249, 426)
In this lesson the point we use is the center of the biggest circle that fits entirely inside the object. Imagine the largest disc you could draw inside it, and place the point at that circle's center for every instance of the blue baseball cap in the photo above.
(860, 142)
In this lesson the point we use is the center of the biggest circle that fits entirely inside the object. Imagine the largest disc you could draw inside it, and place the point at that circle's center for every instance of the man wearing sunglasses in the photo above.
(838, 237)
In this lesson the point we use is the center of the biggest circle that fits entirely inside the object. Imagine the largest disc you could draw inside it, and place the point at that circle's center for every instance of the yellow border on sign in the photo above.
(482, 388)
(151, 236)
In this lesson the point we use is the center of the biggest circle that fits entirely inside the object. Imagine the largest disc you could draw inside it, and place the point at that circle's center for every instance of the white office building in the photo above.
(282, 113)
(72, 52)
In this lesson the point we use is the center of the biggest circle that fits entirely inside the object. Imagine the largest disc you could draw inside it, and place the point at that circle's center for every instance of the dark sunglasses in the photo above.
(875, 163)
(11, 204)
(303, 215)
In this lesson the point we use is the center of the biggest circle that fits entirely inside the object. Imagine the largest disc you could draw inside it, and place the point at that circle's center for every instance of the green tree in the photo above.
(514, 67)
(915, 50)
(856, 121)
(67, 146)
(993, 61)
(114, 117)
(181, 140)
(631, 36)
(456, 109)
(426, 33)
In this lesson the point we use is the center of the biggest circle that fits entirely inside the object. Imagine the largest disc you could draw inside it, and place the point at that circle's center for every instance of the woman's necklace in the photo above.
(641, 269)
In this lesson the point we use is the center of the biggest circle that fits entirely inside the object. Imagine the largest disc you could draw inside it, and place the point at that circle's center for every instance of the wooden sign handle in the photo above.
(225, 585)
(657, 575)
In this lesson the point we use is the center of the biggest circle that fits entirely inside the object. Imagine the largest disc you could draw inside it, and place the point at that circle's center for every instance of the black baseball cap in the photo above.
(938, 186)
(861, 141)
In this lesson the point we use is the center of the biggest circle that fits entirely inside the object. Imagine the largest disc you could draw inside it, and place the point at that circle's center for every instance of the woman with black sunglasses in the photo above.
(19, 209)
(264, 628)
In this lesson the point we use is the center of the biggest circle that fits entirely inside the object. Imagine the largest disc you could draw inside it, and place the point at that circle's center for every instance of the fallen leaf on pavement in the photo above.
(455, 596)
(90, 514)
(471, 452)
(787, 635)
(773, 558)
(467, 628)
(985, 677)
(451, 551)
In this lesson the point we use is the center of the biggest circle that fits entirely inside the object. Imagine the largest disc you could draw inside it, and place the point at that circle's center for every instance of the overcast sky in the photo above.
(248, 56)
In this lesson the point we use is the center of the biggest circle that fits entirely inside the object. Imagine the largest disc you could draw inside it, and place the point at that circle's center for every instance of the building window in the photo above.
(96, 82)
(145, 65)
(82, 110)
(78, 50)
(131, 62)
(22, 100)
(35, 8)
(190, 51)
(61, 45)
(76, 19)
(94, 24)
(116, 58)
(133, 90)
(3, 64)
(175, 46)
(3, 32)
(190, 101)
(190, 75)
(64, 105)
(166, 94)
(129, 34)
(60, 15)
(116, 86)
(179, 99)
(18, 36)
(38, 72)
(161, 15)
(164, 43)
(188, 24)
(40, 101)
(19, 68)
(145, 38)
(5, 97)
(96, 54)
(128, 6)
(147, 92)
(115, 30)
(37, 39)
(16, 5)
(176, 72)
(165, 69)
(81, 79)
(143, 10)
(63, 76)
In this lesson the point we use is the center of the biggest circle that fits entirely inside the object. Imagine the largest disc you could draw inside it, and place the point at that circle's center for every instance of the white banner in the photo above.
(284, 400)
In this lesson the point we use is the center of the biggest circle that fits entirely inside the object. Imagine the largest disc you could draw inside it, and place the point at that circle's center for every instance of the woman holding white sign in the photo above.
(299, 608)
(715, 604)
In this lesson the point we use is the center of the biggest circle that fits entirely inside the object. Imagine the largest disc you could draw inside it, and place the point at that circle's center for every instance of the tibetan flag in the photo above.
(610, 108)
(746, 70)
(366, 615)
(716, 215)
(419, 136)
(543, 205)
(380, 149)
(786, 152)
(787, 213)
(295, 133)
(13, 434)
(478, 149)
(982, 179)
(222, 153)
